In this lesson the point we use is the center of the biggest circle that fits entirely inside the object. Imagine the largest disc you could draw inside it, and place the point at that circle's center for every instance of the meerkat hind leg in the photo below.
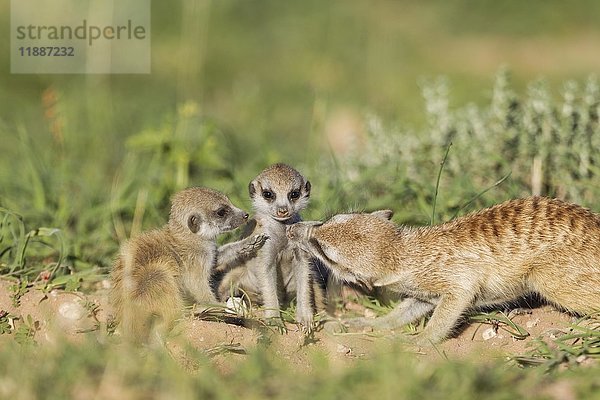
(407, 311)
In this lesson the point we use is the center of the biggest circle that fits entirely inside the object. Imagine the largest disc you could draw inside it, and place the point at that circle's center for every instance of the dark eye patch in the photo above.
(268, 195)
(223, 211)
(294, 195)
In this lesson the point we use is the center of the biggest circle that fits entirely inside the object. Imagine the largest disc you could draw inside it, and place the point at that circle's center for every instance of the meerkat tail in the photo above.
(151, 301)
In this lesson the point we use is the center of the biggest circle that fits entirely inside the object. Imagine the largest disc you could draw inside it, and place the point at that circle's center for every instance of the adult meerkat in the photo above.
(534, 245)
(278, 195)
(158, 272)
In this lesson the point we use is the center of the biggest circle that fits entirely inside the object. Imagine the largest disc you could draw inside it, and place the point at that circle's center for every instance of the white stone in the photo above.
(71, 311)
(489, 333)
(236, 305)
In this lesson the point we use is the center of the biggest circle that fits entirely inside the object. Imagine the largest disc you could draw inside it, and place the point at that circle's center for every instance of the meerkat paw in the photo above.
(306, 320)
(253, 244)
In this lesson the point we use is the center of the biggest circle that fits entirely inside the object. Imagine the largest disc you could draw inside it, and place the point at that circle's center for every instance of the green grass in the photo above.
(110, 371)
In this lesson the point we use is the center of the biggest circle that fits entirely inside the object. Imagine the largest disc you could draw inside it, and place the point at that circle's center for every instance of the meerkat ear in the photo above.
(307, 187)
(194, 221)
(383, 214)
(252, 189)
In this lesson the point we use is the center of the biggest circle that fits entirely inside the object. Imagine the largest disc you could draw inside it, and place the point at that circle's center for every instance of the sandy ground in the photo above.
(66, 314)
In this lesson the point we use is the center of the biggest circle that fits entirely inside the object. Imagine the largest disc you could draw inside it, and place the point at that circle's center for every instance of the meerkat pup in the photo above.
(278, 195)
(533, 245)
(158, 272)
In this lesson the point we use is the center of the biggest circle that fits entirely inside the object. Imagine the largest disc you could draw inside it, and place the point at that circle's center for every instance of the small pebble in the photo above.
(532, 323)
(489, 333)
(343, 349)
(369, 313)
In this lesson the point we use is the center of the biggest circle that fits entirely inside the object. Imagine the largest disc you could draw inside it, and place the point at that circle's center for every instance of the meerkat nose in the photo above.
(282, 211)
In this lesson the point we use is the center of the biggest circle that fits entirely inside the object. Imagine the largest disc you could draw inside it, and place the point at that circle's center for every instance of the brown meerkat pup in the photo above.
(158, 272)
(533, 245)
(279, 271)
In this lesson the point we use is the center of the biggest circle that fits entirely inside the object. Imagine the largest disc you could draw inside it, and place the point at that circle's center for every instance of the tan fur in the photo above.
(534, 245)
(158, 272)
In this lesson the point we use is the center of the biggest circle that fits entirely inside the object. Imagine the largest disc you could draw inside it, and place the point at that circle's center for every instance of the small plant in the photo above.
(72, 285)
(25, 332)
(226, 348)
(375, 305)
(6, 322)
(498, 320)
(580, 343)
(92, 308)
(18, 290)
(29, 256)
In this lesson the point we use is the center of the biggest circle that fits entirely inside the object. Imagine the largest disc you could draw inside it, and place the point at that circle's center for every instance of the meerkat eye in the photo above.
(294, 195)
(221, 212)
(268, 195)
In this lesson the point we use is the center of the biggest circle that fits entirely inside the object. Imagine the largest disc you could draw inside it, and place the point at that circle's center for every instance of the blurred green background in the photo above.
(237, 85)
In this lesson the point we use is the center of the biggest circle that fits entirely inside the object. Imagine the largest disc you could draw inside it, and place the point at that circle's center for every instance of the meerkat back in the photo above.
(563, 243)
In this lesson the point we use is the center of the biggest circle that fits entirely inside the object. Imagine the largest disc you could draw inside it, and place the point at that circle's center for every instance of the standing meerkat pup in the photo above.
(278, 195)
(160, 271)
(534, 245)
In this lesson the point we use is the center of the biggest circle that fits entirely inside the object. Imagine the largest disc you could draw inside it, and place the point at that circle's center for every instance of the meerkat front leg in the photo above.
(407, 311)
(268, 278)
(304, 287)
(444, 318)
(232, 255)
(197, 284)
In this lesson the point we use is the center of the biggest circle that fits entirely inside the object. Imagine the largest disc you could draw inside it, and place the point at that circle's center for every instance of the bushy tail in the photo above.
(147, 301)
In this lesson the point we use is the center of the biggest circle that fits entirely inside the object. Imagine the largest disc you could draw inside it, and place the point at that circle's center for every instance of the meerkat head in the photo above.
(204, 212)
(279, 192)
(349, 244)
